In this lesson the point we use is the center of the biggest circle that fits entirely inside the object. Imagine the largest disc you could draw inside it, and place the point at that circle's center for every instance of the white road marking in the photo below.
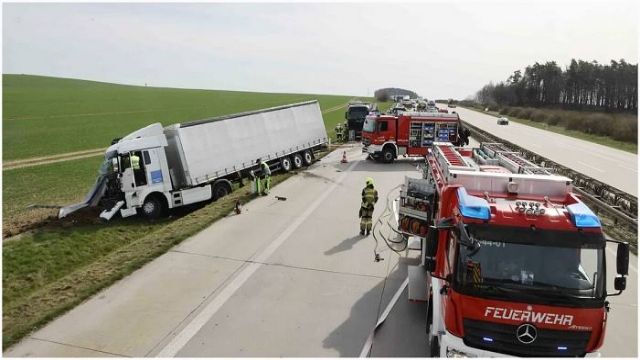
(589, 166)
(367, 345)
(191, 329)
(628, 168)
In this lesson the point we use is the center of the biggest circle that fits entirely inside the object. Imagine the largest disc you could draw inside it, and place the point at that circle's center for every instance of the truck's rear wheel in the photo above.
(388, 155)
(285, 164)
(307, 156)
(297, 161)
(153, 207)
(220, 190)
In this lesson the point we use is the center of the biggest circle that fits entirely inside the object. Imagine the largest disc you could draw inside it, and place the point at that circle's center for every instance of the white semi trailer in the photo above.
(197, 161)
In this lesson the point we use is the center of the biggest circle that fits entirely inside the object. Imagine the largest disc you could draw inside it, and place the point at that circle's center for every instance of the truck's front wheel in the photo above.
(153, 207)
(388, 155)
(434, 344)
(220, 189)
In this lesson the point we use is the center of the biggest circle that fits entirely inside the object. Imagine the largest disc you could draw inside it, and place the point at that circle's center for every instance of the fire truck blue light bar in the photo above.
(582, 216)
(472, 206)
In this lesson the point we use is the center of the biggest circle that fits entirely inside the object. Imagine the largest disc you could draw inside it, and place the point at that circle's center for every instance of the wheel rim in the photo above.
(388, 156)
(298, 161)
(149, 207)
(222, 191)
(286, 164)
(307, 158)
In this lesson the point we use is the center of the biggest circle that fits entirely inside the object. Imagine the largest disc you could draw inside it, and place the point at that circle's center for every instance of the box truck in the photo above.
(197, 161)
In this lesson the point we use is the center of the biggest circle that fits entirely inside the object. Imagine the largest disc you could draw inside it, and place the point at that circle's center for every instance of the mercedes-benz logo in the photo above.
(526, 333)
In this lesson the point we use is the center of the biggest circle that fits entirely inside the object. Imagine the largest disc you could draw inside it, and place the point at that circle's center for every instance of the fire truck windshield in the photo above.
(369, 124)
(536, 265)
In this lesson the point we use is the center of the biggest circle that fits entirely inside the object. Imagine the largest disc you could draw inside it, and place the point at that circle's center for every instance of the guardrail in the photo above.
(621, 208)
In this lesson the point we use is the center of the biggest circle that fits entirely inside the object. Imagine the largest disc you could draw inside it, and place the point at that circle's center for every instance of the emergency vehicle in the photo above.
(386, 137)
(513, 262)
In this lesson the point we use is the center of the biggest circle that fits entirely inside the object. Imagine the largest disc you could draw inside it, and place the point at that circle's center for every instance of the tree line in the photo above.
(582, 85)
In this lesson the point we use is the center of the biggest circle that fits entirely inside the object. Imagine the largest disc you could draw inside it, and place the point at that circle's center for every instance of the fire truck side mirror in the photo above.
(431, 249)
(346, 115)
(622, 259)
(620, 283)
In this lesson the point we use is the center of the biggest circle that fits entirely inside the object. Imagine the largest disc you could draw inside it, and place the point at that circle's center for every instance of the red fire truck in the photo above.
(385, 137)
(513, 262)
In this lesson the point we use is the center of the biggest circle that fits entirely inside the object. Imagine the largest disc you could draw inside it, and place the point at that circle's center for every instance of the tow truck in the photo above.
(512, 261)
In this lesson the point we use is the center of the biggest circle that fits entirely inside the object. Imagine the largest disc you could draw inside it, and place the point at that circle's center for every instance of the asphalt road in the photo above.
(284, 278)
(611, 166)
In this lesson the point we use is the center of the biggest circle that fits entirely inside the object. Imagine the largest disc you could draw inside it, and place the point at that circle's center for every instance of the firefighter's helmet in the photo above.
(368, 181)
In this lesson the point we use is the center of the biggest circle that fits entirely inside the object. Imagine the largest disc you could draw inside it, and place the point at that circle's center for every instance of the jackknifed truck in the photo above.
(197, 161)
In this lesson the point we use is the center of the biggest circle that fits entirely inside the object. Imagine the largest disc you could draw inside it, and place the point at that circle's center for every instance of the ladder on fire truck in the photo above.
(494, 168)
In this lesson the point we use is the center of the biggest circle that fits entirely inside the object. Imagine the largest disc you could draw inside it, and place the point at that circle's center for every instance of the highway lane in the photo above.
(611, 166)
(284, 278)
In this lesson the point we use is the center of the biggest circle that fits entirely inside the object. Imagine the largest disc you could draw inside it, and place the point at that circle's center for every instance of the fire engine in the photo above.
(513, 262)
(385, 137)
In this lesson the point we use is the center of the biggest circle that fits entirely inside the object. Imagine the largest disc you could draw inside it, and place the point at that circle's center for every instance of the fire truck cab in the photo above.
(385, 137)
(513, 260)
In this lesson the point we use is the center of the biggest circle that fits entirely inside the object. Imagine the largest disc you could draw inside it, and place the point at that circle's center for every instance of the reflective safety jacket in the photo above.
(369, 197)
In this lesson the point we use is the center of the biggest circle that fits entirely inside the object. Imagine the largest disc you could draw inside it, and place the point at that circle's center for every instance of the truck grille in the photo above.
(502, 338)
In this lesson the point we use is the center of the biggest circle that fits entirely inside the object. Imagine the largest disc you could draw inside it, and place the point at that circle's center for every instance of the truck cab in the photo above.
(149, 185)
(355, 116)
(516, 261)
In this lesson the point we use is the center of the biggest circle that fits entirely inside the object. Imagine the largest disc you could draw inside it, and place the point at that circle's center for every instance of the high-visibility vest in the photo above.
(369, 197)
(135, 162)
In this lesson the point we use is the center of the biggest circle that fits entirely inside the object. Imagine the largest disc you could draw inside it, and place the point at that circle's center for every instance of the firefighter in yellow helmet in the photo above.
(369, 199)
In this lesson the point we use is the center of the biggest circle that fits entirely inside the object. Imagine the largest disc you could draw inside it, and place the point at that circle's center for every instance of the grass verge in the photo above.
(50, 271)
(598, 139)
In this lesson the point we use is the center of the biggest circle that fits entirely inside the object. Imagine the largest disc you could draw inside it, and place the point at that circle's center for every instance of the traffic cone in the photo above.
(344, 157)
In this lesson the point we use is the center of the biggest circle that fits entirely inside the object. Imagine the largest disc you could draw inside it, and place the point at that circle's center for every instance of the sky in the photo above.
(438, 49)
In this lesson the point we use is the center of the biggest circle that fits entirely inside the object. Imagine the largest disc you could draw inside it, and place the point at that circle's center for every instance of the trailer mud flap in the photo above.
(108, 214)
(92, 198)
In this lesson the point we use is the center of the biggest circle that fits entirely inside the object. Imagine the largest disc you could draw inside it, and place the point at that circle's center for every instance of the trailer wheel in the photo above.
(388, 154)
(152, 207)
(297, 161)
(307, 156)
(285, 164)
(219, 190)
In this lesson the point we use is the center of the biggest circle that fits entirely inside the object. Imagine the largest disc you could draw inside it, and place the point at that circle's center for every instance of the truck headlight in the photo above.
(454, 353)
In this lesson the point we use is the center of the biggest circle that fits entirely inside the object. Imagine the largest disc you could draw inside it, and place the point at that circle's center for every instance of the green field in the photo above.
(43, 116)
(58, 264)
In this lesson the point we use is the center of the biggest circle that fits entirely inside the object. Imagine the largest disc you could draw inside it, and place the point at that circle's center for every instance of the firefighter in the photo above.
(265, 176)
(369, 199)
(339, 132)
(135, 166)
(345, 132)
(135, 162)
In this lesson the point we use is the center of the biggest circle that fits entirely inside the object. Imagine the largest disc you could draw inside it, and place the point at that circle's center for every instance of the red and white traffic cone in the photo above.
(344, 157)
